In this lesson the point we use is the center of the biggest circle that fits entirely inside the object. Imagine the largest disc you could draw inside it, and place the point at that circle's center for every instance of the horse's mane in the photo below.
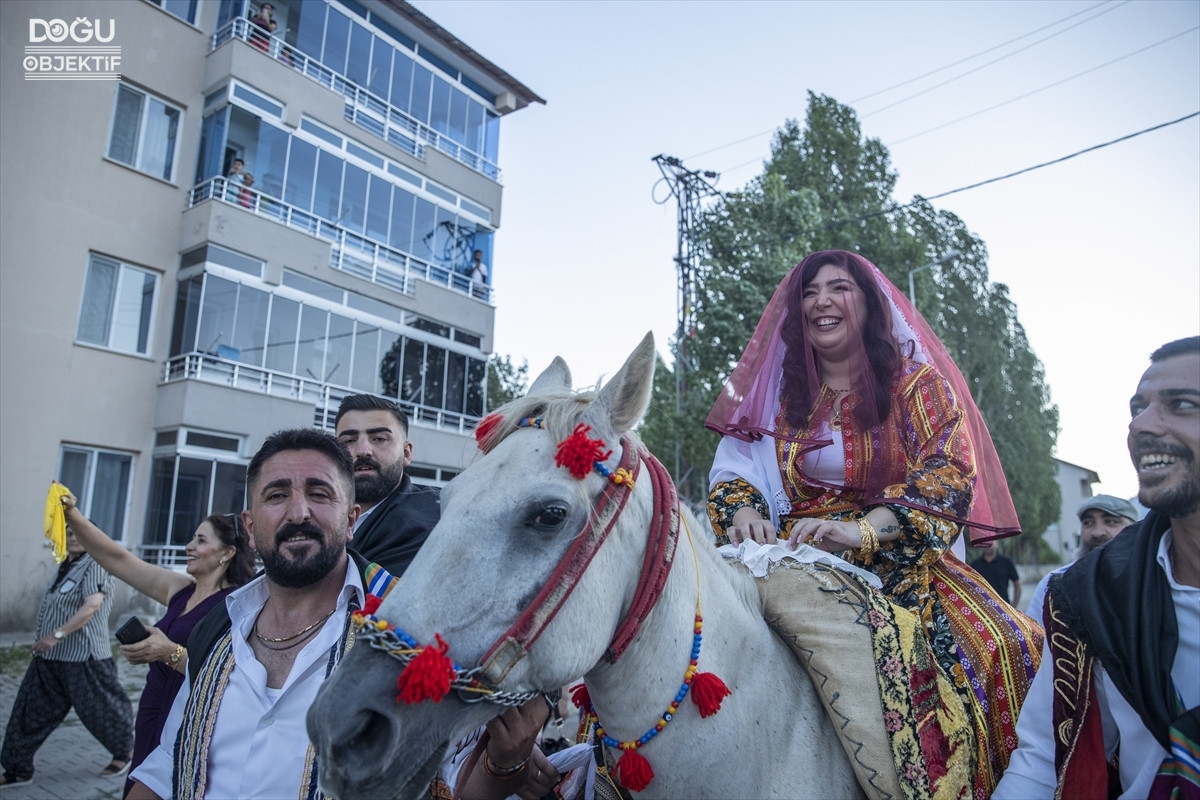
(559, 409)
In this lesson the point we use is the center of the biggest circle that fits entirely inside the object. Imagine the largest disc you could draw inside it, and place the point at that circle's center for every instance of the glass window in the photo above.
(100, 480)
(458, 118)
(389, 364)
(216, 314)
(184, 9)
(439, 109)
(337, 35)
(118, 306)
(476, 378)
(212, 145)
(381, 66)
(435, 376)
(281, 335)
(491, 141)
(379, 208)
(301, 168)
(474, 135)
(143, 133)
(250, 325)
(401, 91)
(365, 375)
(328, 190)
(358, 65)
(306, 27)
(456, 382)
(423, 230)
(411, 365)
(183, 491)
(310, 351)
(187, 310)
(354, 198)
(420, 93)
(337, 354)
(400, 236)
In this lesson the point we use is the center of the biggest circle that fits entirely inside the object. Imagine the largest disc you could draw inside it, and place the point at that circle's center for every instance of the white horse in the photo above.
(508, 521)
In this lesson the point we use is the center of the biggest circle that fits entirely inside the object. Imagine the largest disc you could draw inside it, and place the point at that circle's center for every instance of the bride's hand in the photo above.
(832, 536)
(748, 525)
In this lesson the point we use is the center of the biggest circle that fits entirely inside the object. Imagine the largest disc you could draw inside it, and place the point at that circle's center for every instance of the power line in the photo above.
(925, 75)
(988, 64)
(920, 199)
(980, 53)
(1039, 89)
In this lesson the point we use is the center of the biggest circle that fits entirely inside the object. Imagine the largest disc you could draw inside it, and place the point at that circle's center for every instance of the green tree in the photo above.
(505, 381)
(823, 187)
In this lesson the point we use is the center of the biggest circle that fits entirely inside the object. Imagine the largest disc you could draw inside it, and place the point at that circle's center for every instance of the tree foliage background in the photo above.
(505, 380)
(825, 187)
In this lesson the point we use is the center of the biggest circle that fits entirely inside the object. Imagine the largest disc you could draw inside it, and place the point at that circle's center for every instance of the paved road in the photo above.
(67, 766)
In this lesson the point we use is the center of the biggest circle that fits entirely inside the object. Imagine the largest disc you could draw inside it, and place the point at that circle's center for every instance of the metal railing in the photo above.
(325, 397)
(164, 555)
(368, 111)
(350, 252)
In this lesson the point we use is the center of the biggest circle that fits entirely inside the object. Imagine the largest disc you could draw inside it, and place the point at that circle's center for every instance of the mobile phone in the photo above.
(132, 631)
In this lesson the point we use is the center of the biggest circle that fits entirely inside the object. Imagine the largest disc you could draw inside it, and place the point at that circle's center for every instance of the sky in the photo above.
(1101, 253)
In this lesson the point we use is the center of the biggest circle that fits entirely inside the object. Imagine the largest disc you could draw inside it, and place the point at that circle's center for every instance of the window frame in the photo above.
(86, 494)
(139, 148)
(123, 269)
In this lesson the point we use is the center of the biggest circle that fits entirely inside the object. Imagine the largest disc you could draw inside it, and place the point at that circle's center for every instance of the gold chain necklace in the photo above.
(271, 640)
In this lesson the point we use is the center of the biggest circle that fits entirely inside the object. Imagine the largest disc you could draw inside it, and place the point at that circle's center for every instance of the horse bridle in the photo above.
(481, 682)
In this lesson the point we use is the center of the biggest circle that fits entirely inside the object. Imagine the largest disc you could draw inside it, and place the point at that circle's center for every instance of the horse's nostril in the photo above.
(372, 737)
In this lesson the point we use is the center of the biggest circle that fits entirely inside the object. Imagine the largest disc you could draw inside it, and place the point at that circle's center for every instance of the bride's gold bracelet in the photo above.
(870, 538)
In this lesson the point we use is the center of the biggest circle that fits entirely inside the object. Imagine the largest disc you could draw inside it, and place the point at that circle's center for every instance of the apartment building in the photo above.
(211, 230)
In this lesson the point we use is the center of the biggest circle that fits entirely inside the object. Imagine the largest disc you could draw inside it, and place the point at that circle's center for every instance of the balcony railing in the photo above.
(165, 555)
(350, 252)
(325, 397)
(368, 111)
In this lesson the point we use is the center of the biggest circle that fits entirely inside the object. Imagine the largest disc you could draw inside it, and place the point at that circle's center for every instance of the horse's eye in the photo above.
(549, 517)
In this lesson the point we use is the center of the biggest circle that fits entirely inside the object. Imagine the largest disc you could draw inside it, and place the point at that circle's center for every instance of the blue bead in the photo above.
(668, 717)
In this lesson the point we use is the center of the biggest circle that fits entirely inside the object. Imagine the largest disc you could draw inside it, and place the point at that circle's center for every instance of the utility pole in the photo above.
(689, 188)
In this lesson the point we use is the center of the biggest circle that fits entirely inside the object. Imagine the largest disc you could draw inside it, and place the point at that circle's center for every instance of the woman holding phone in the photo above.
(218, 561)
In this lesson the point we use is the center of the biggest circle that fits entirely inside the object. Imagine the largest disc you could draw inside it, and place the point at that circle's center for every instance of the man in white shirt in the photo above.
(1101, 518)
(240, 720)
(1118, 681)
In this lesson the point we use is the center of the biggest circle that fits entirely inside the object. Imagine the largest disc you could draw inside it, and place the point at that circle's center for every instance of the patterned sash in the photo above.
(190, 773)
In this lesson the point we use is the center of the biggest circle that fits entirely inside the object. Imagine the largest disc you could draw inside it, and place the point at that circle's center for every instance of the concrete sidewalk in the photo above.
(67, 766)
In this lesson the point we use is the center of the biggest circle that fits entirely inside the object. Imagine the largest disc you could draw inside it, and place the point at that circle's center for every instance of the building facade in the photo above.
(246, 224)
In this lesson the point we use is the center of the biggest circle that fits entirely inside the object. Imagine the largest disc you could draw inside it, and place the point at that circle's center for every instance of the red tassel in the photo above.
(580, 697)
(633, 771)
(372, 603)
(707, 693)
(484, 428)
(578, 453)
(428, 676)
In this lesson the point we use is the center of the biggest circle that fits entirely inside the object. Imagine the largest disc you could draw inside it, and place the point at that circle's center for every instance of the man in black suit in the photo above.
(396, 514)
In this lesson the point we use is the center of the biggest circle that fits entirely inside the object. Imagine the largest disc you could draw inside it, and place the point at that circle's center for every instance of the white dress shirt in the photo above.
(260, 739)
(1030, 772)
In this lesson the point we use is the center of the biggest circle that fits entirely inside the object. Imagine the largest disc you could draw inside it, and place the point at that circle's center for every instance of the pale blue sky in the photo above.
(1101, 253)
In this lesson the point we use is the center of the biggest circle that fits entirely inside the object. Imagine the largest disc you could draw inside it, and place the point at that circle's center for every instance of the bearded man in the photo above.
(1115, 708)
(396, 514)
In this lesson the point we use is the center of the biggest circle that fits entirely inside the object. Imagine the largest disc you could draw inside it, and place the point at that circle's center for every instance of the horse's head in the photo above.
(508, 580)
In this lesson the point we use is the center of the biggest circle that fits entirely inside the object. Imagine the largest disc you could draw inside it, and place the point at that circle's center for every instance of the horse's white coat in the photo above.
(484, 563)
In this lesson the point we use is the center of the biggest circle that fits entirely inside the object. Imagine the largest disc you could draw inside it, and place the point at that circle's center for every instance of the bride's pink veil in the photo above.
(749, 402)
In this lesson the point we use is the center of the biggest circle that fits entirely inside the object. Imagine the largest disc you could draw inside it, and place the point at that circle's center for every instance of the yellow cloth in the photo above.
(56, 520)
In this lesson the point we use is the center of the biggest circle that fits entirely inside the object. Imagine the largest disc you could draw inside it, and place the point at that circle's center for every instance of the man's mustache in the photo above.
(1145, 444)
(295, 529)
(367, 461)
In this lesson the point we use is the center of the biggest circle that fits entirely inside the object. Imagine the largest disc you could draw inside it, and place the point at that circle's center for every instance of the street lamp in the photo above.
(912, 295)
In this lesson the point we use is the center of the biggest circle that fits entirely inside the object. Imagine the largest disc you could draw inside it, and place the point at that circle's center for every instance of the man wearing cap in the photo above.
(1100, 519)
(1115, 707)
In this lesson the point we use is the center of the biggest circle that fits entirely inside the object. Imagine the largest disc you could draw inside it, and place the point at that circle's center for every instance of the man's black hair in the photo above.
(1179, 347)
(370, 402)
(302, 439)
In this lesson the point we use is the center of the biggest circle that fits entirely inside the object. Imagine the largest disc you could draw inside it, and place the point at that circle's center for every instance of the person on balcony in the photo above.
(264, 26)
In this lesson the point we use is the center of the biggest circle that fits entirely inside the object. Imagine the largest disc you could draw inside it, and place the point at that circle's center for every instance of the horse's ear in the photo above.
(625, 398)
(557, 376)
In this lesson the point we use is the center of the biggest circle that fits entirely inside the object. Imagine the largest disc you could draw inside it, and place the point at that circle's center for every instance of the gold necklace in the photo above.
(271, 640)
